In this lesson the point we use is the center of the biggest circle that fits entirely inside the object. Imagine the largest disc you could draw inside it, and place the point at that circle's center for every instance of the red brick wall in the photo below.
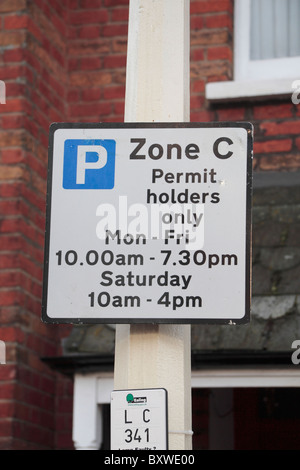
(96, 60)
(65, 61)
(32, 64)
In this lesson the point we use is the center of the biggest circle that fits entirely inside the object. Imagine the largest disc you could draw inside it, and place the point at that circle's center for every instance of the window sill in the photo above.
(248, 89)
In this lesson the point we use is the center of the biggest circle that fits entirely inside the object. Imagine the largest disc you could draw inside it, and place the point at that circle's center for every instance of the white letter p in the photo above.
(83, 165)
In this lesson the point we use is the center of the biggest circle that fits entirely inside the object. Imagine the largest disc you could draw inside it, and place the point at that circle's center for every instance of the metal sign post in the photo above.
(157, 90)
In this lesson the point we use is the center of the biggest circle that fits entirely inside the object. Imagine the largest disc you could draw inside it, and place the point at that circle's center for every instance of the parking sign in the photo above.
(148, 223)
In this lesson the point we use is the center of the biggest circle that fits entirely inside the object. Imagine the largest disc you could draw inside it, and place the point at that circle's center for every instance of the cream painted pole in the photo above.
(157, 90)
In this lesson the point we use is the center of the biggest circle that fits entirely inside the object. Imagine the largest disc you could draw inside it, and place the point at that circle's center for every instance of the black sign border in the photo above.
(248, 264)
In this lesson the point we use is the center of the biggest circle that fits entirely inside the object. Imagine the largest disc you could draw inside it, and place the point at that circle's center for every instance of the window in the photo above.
(266, 49)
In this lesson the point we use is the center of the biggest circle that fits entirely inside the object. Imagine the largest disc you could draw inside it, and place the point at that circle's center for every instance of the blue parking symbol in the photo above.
(89, 164)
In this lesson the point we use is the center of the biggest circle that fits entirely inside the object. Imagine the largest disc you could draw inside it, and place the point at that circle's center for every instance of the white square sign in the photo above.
(139, 419)
(148, 223)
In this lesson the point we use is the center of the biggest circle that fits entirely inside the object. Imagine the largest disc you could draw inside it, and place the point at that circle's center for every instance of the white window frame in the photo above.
(253, 78)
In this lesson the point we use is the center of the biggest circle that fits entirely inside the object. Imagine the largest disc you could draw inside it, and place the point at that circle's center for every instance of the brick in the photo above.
(203, 6)
(119, 45)
(219, 53)
(83, 79)
(84, 17)
(6, 409)
(36, 217)
(9, 297)
(41, 119)
(102, 46)
(118, 107)
(115, 30)
(197, 101)
(114, 92)
(30, 231)
(90, 3)
(119, 77)
(31, 127)
(12, 5)
(9, 172)
(210, 69)
(30, 266)
(58, 7)
(15, 21)
(11, 71)
(90, 63)
(202, 116)
(6, 390)
(10, 189)
(35, 30)
(112, 62)
(272, 146)
(209, 37)
(297, 141)
(234, 114)
(10, 207)
(14, 89)
(279, 162)
(196, 22)
(281, 128)
(73, 95)
(87, 109)
(116, 118)
(33, 61)
(197, 86)
(7, 373)
(12, 38)
(11, 139)
(115, 3)
(60, 23)
(13, 55)
(218, 21)
(12, 155)
(120, 14)
(8, 316)
(36, 256)
(56, 84)
(197, 54)
(72, 33)
(9, 278)
(273, 111)
(14, 105)
(38, 184)
(89, 32)
(91, 94)
(12, 122)
(56, 55)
